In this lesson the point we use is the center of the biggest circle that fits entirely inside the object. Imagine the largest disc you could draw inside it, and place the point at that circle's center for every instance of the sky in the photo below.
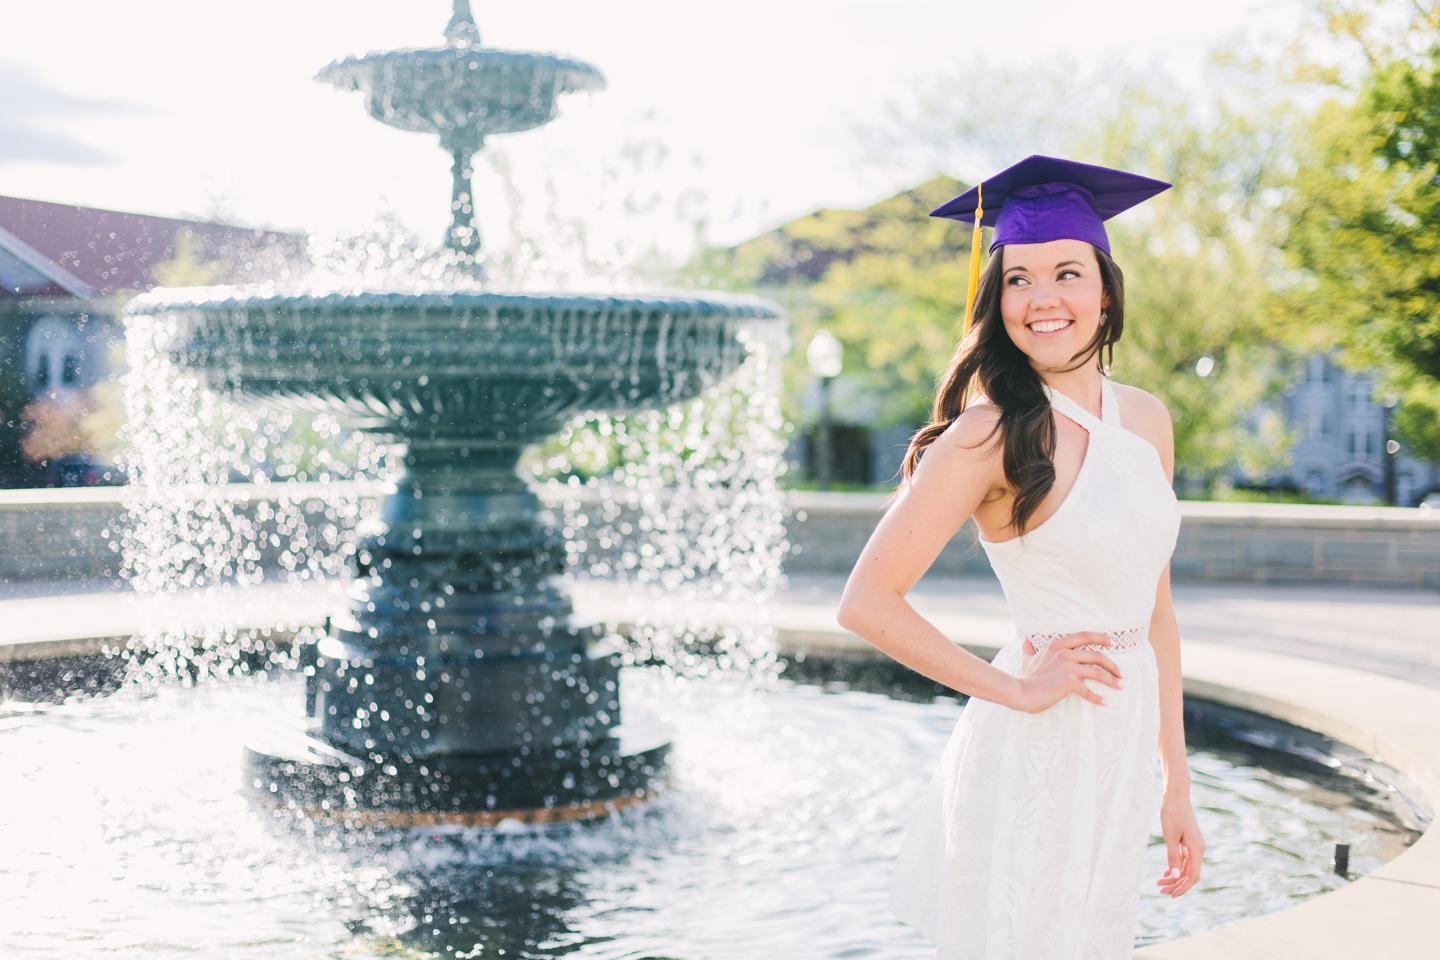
(745, 111)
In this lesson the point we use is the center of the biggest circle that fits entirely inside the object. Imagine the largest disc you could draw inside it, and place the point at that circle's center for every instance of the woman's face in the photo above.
(1051, 300)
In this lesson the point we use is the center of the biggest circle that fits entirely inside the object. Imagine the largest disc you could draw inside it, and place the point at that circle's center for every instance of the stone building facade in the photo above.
(1344, 448)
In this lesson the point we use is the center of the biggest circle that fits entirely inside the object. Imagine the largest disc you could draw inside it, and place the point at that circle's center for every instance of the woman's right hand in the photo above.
(1061, 668)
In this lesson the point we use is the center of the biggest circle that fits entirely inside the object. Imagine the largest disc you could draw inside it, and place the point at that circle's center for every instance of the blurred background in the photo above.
(1284, 299)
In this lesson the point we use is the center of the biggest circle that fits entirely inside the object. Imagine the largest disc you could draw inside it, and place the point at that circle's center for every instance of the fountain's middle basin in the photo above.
(504, 368)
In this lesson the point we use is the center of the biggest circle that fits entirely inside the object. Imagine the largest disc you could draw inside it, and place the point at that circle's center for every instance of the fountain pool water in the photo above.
(125, 831)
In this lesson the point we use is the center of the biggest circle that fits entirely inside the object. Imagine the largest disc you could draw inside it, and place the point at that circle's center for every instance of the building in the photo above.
(65, 271)
(1344, 448)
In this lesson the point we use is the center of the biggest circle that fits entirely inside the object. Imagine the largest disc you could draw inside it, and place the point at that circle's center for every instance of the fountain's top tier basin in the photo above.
(462, 93)
(452, 364)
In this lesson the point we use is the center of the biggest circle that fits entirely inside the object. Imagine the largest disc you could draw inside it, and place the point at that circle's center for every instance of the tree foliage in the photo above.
(1298, 223)
(888, 280)
(14, 393)
(186, 269)
(1197, 260)
(1364, 234)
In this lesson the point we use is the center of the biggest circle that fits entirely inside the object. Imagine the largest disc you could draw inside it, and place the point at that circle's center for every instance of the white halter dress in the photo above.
(1030, 841)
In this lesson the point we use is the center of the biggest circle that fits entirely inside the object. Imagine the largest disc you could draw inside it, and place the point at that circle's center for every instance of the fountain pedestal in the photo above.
(460, 684)
(463, 634)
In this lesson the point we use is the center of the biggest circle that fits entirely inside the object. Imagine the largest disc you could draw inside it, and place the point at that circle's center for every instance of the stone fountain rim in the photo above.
(261, 297)
(588, 72)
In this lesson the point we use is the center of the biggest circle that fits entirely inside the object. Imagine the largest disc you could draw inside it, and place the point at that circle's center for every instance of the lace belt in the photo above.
(1127, 638)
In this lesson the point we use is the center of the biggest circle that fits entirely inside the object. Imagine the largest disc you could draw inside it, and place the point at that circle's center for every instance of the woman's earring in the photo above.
(1103, 317)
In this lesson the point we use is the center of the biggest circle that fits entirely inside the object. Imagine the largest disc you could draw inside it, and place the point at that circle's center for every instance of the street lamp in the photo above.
(826, 357)
(1392, 446)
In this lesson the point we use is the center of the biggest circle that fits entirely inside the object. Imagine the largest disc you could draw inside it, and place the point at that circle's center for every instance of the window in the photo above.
(1369, 443)
(1317, 423)
(54, 353)
(1350, 443)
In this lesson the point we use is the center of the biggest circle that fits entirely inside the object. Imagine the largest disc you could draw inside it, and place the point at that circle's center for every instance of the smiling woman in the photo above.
(1055, 305)
(1030, 842)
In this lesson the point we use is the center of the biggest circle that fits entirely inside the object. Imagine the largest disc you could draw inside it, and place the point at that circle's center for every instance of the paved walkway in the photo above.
(1393, 633)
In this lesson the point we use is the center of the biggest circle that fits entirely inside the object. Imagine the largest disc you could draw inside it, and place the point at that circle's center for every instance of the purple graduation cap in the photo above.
(1041, 199)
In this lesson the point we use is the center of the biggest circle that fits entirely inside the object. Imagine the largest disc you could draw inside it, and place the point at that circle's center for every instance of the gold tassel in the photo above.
(977, 240)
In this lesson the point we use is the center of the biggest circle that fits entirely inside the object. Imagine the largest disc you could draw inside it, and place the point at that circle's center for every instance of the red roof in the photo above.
(114, 251)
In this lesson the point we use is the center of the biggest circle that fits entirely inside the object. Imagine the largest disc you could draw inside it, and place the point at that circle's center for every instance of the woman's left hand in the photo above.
(1184, 847)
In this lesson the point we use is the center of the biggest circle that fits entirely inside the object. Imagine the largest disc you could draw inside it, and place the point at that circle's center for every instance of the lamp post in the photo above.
(825, 355)
(1392, 447)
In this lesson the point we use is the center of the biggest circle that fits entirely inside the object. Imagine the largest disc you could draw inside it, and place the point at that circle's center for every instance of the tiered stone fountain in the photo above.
(460, 687)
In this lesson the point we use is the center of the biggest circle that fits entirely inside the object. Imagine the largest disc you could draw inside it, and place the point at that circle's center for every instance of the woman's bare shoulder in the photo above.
(963, 466)
(976, 429)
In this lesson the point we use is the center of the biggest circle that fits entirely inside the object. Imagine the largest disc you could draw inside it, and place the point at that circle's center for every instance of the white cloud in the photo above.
(32, 126)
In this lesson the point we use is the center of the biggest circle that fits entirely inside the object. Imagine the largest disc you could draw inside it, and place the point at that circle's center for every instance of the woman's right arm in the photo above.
(960, 473)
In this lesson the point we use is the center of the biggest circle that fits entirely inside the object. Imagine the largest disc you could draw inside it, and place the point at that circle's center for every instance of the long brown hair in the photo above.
(987, 362)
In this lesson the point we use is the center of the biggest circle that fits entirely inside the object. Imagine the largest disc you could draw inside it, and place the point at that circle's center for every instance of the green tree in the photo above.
(186, 269)
(1365, 235)
(888, 280)
(894, 294)
(1197, 260)
(14, 394)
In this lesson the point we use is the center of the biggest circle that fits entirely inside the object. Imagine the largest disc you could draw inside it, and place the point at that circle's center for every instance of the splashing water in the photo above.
(384, 258)
(224, 496)
(684, 506)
